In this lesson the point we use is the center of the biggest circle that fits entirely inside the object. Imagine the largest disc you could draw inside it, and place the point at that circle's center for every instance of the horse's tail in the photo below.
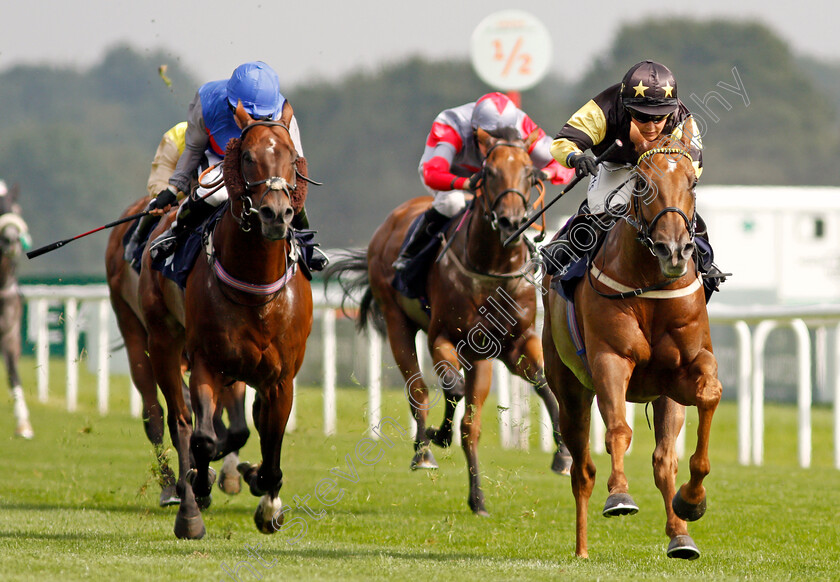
(350, 269)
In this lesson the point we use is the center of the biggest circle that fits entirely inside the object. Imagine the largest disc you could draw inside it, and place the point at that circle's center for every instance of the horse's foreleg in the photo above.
(574, 415)
(266, 481)
(203, 443)
(478, 379)
(668, 417)
(690, 501)
(611, 374)
(527, 362)
(447, 368)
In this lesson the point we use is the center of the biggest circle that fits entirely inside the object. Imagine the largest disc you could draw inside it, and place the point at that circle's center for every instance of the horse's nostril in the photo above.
(267, 215)
(688, 250)
(288, 215)
(661, 250)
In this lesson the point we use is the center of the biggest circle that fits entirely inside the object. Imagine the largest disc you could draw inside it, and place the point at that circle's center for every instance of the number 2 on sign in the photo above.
(510, 59)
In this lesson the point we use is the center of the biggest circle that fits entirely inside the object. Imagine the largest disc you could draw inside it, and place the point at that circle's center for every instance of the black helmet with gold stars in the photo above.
(650, 88)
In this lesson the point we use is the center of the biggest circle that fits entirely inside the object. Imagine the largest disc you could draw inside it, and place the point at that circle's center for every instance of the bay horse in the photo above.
(123, 284)
(481, 305)
(13, 230)
(244, 316)
(639, 319)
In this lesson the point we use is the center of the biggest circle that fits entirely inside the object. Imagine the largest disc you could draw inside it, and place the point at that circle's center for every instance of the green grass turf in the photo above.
(80, 502)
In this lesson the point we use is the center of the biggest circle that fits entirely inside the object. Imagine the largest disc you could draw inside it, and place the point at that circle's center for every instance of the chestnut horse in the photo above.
(12, 230)
(641, 318)
(123, 283)
(482, 306)
(244, 315)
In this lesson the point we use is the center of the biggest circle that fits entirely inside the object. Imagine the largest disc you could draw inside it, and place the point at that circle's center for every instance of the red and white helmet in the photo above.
(494, 111)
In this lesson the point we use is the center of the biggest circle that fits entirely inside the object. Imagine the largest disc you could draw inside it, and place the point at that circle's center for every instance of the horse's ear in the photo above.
(690, 132)
(241, 116)
(485, 141)
(288, 113)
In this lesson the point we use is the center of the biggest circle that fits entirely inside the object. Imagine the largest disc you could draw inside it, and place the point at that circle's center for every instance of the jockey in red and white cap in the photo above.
(451, 157)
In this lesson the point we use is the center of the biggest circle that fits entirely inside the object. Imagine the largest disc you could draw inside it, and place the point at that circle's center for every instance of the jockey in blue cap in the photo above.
(210, 125)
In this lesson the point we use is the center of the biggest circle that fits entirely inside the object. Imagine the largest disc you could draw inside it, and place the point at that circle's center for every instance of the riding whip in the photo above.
(616, 144)
(58, 244)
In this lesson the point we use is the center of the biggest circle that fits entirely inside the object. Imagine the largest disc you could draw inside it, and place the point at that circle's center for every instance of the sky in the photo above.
(312, 40)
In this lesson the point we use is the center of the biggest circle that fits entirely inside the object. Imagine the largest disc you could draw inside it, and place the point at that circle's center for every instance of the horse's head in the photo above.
(13, 229)
(507, 176)
(664, 204)
(267, 157)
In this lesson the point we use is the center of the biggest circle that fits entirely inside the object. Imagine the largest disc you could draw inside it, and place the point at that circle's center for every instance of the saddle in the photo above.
(411, 281)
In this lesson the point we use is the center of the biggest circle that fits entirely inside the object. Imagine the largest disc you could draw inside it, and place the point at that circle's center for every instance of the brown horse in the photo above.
(641, 317)
(123, 284)
(482, 306)
(244, 315)
(12, 230)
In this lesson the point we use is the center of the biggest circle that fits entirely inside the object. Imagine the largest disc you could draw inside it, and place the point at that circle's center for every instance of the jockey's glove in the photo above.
(165, 197)
(583, 164)
(472, 183)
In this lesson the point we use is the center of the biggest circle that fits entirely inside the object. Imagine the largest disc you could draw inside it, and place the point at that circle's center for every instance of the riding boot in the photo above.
(190, 214)
(578, 237)
(140, 232)
(705, 256)
(312, 258)
(430, 223)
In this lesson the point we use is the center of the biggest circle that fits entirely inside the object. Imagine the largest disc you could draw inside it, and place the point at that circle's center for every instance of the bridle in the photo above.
(640, 223)
(489, 213)
(272, 183)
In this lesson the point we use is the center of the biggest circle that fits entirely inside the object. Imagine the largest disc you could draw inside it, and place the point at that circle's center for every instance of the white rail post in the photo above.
(598, 429)
(803, 395)
(135, 401)
(42, 348)
(71, 344)
(102, 388)
(546, 430)
(837, 397)
(291, 424)
(328, 335)
(507, 405)
(374, 382)
(759, 340)
(745, 364)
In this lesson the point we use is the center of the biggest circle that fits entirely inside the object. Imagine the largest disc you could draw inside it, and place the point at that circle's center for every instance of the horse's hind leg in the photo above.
(447, 368)
(401, 333)
(526, 362)
(233, 400)
(11, 355)
(668, 418)
(574, 414)
(690, 501)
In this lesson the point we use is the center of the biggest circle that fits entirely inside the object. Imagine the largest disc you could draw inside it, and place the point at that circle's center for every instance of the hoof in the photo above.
(169, 496)
(688, 511)
(189, 528)
(562, 463)
(684, 548)
(479, 509)
(24, 430)
(230, 481)
(203, 500)
(439, 437)
(620, 504)
(424, 459)
(269, 515)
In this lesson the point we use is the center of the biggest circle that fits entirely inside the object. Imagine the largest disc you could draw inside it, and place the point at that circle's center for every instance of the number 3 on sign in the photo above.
(512, 58)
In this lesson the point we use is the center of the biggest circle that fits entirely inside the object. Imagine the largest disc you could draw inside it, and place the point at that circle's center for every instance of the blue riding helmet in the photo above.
(258, 87)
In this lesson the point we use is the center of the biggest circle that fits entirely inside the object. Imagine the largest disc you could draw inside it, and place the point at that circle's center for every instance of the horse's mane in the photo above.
(235, 184)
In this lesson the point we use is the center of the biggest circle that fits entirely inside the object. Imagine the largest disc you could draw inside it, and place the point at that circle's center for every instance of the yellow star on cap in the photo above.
(640, 90)
(668, 89)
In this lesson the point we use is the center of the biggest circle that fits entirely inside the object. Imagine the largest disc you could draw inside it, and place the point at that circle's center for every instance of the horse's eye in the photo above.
(247, 157)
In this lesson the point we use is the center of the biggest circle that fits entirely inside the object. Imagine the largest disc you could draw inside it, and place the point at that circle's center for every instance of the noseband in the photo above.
(645, 228)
